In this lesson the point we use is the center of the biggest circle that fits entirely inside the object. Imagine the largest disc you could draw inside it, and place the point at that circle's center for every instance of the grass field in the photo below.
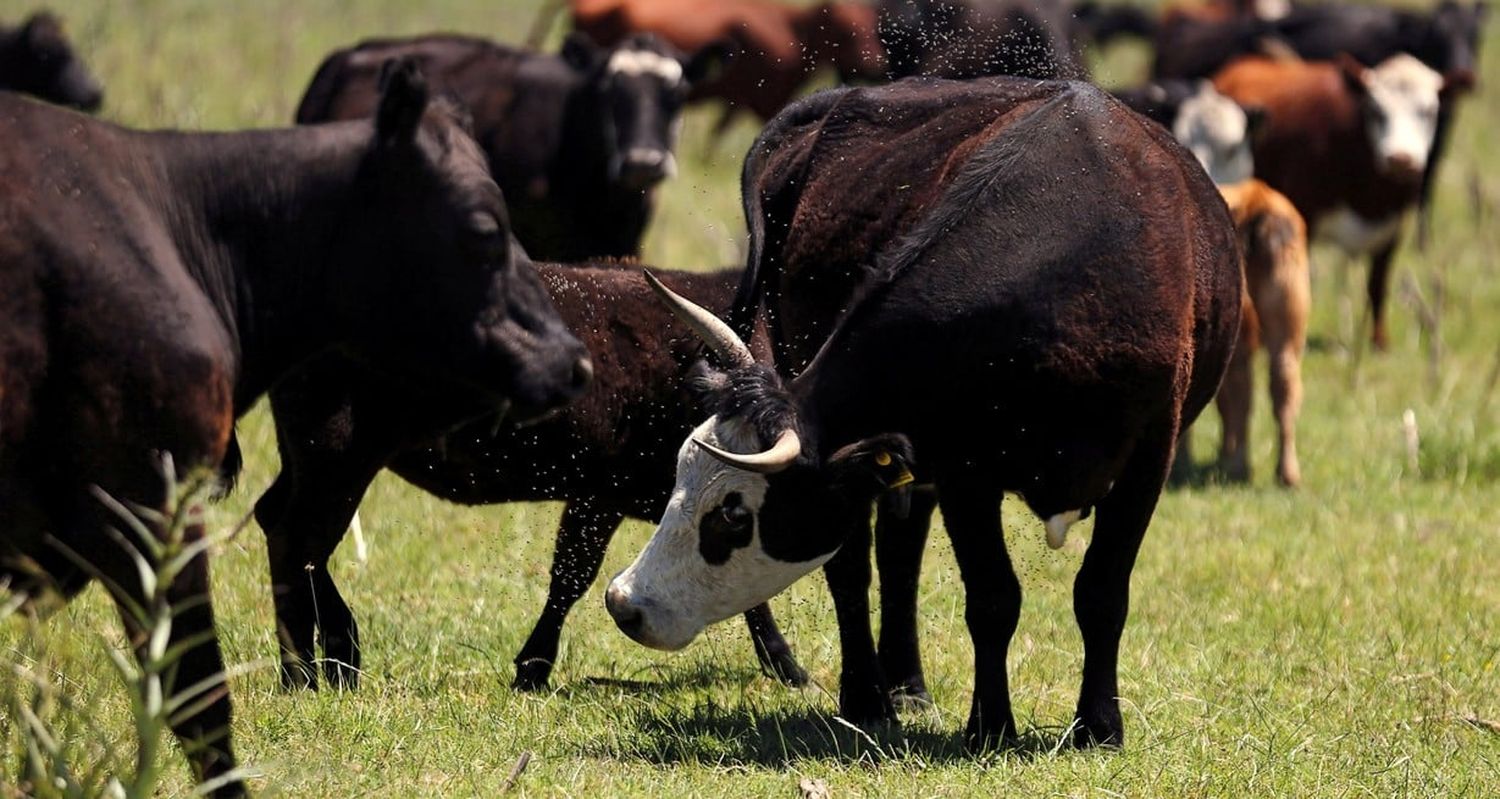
(1336, 641)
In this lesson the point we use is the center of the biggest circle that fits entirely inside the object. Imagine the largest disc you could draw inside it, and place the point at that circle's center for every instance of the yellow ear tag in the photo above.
(905, 478)
(882, 458)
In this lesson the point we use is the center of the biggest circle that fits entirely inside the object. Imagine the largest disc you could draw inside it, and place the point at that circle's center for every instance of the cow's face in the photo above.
(1217, 131)
(431, 278)
(39, 61)
(753, 510)
(640, 85)
(1399, 99)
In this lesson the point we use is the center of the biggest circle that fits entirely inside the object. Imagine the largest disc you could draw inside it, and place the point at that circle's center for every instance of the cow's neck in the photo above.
(255, 217)
(584, 154)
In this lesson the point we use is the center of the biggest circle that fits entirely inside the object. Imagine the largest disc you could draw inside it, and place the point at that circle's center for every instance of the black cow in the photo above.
(996, 345)
(609, 456)
(974, 38)
(153, 285)
(577, 141)
(36, 58)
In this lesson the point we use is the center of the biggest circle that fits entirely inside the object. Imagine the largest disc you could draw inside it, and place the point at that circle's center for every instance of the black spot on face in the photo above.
(725, 529)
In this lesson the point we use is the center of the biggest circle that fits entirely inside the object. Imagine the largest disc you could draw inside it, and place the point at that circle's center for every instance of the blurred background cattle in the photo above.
(36, 58)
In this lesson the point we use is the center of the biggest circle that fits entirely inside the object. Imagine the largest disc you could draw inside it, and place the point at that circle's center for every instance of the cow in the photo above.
(974, 38)
(1089, 339)
(774, 47)
(1278, 299)
(153, 285)
(1445, 39)
(578, 141)
(1273, 243)
(608, 456)
(1348, 146)
(37, 59)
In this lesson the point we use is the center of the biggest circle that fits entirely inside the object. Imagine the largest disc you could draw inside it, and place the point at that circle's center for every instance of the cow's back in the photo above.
(347, 83)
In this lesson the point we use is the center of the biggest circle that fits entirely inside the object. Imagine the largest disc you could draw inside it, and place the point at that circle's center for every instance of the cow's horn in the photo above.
(781, 454)
(715, 333)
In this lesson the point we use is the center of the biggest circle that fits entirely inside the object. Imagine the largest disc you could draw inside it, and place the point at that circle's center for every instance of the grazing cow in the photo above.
(577, 141)
(1348, 146)
(974, 38)
(1273, 243)
(774, 47)
(153, 285)
(37, 59)
(608, 456)
(1278, 298)
(1089, 340)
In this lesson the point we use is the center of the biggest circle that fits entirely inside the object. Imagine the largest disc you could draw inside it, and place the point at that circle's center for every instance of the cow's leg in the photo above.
(971, 512)
(1378, 289)
(304, 522)
(1101, 592)
(771, 649)
(1284, 332)
(899, 545)
(582, 538)
(205, 734)
(1235, 400)
(863, 695)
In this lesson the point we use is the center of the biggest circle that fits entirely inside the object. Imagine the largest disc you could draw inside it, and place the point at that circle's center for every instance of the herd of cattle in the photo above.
(1105, 261)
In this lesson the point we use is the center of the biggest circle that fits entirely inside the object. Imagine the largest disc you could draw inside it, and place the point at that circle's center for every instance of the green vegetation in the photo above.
(1338, 641)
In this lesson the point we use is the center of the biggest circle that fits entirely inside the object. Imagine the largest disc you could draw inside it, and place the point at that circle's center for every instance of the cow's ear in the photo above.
(709, 62)
(872, 466)
(403, 100)
(42, 32)
(705, 385)
(580, 52)
(1355, 74)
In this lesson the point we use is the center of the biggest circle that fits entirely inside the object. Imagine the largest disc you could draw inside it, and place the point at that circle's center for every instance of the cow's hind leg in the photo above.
(1284, 332)
(971, 513)
(1235, 400)
(582, 538)
(899, 545)
(1101, 591)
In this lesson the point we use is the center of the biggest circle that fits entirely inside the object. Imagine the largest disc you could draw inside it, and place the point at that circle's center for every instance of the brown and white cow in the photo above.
(1348, 146)
(998, 345)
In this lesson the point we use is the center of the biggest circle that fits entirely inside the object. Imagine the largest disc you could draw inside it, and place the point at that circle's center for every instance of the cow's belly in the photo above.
(1355, 234)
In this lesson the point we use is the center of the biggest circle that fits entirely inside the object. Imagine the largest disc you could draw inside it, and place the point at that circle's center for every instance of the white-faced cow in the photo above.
(37, 59)
(999, 344)
(577, 141)
(609, 456)
(153, 285)
(1348, 146)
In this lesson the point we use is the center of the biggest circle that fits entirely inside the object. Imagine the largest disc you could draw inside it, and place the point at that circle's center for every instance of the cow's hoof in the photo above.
(911, 697)
(341, 676)
(298, 676)
(980, 739)
(784, 667)
(1098, 733)
(532, 676)
(867, 708)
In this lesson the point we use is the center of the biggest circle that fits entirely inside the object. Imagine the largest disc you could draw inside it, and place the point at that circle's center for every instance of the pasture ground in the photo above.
(1337, 641)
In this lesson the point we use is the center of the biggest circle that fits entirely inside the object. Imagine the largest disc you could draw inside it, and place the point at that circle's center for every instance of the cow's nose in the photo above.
(644, 166)
(1403, 165)
(627, 616)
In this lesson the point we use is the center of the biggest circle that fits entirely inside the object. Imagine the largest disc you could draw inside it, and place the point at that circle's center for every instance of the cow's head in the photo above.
(1399, 99)
(756, 505)
(428, 275)
(1450, 41)
(39, 61)
(1218, 131)
(640, 86)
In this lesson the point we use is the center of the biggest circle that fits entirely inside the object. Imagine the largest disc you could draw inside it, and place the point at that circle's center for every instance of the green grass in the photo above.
(1339, 641)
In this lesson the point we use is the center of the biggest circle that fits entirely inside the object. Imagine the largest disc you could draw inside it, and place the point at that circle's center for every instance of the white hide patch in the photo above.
(676, 591)
(1058, 526)
(1405, 92)
(645, 62)
(1356, 235)
(1215, 130)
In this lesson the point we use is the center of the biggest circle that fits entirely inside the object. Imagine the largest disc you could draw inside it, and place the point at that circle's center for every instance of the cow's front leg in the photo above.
(863, 695)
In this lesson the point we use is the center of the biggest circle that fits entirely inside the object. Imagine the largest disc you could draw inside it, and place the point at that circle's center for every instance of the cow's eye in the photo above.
(736, 515)
(725, 529)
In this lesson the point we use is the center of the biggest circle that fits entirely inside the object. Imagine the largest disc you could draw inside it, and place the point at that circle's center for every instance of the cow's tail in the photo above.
(542, 24)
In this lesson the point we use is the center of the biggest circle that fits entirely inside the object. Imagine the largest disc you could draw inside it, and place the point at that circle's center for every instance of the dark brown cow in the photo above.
(1347, 145)
(974, 38)
(609, 456)
(153, 285)
(997, 344)
(37, 59)
(578, 141)
(775, 47)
